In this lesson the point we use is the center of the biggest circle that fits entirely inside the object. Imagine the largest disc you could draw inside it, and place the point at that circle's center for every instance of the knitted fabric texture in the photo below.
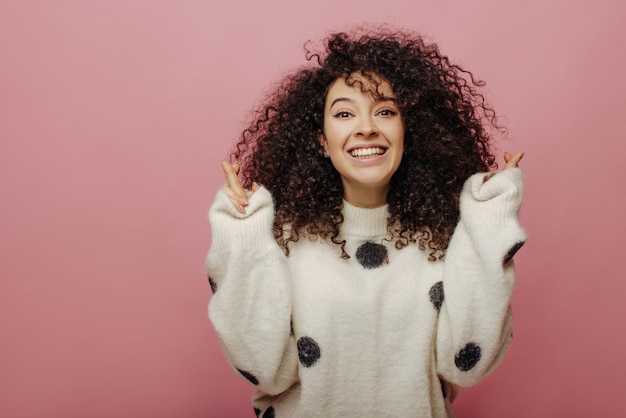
(385, 333)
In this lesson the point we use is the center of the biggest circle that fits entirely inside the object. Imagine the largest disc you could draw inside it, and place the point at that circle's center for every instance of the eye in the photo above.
(387, 112)
(342, 114)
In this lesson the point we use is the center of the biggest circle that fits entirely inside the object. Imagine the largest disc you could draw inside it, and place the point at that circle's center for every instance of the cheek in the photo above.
(334, 136)
(399, 144)
(400, 138)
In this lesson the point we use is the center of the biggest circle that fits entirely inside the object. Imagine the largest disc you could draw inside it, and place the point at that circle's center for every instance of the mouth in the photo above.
(370, 152)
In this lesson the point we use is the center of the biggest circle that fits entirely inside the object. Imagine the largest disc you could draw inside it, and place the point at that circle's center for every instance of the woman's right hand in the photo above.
(233, 188)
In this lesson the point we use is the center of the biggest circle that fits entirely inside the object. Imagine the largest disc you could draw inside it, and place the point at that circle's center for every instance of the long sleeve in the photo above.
(475, 319)
(252, 301)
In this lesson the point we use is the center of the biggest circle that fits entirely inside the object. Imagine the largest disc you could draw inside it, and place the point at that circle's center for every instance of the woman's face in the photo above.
(364, 137)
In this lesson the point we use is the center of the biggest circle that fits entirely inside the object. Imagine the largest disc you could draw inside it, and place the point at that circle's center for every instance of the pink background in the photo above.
(114, 116)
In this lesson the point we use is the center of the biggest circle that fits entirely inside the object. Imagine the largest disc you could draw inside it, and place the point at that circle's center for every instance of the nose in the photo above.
(366, 127)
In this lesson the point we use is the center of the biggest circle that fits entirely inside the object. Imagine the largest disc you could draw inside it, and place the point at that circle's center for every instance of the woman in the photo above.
(361, 260)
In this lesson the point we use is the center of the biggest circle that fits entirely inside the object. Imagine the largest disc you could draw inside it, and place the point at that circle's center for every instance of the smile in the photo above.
(367, 152)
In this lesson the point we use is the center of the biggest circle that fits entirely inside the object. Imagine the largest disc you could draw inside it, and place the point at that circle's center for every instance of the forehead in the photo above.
(373, 85)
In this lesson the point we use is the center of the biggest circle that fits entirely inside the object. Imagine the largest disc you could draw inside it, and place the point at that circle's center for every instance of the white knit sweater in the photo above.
(385, 333)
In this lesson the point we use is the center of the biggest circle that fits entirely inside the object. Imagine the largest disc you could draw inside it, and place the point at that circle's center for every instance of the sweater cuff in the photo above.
(492, 198)
(234, 232)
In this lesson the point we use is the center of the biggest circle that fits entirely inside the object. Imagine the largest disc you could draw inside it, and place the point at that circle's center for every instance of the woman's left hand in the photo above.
(512, 161)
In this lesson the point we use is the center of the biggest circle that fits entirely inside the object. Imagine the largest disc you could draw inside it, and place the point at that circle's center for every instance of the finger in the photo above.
(488, 176)
(229, 170)
(513, 160)
(255, 186)
(232, 181)
(234, 199)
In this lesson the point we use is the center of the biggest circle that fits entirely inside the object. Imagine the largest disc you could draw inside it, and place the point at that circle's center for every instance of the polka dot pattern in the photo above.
(467, 358)
(249, 376)
(257, 411)
(308, 351)
(509, 256)
(436, 295)
(270, 413)
(371, 255)
(213, 285)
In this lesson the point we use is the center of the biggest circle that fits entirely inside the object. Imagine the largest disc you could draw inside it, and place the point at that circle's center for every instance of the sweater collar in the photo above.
(364, 221)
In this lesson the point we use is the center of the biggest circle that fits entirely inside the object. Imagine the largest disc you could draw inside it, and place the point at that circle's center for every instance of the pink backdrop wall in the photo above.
(114, 115)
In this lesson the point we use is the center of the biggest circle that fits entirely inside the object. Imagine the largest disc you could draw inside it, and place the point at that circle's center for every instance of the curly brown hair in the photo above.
(447, 139)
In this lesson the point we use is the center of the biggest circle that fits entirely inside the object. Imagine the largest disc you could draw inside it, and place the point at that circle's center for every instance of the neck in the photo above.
(366, 197)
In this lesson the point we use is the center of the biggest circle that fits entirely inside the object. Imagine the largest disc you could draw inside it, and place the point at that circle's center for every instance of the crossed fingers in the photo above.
(233, 187)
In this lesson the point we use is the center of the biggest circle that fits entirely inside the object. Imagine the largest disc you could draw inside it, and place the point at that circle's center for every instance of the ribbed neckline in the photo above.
(364, 221)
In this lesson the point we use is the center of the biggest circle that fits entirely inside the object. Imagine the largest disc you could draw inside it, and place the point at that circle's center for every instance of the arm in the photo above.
(475, 319)
(251, 305)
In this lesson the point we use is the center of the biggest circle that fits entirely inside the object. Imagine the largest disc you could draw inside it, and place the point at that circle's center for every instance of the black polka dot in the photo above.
(249, 376)
(257, 411)
(270, 413)
(371, 255)
(509, 256)
(467, 358)
(436, 295)
(308, 351)
(213, 285)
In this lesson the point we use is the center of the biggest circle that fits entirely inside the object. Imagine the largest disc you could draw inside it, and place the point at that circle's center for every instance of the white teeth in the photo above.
(367, 152)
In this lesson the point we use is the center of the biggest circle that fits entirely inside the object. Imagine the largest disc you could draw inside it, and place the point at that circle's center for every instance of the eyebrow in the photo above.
(341, 99)
(347, 99)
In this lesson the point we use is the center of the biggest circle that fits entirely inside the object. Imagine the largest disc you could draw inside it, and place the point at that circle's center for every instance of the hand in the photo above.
(512, 161)
(233, 188)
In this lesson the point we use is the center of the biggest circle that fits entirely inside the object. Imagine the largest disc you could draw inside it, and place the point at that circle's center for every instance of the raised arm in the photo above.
(475, 321)
(251, 305)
